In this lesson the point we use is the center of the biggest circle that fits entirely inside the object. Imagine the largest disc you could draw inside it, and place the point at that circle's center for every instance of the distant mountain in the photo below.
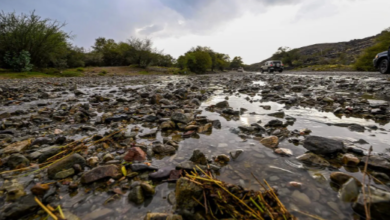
(328, 53)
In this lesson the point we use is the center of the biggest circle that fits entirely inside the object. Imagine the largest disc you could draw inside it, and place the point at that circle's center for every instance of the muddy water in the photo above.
(318, 196)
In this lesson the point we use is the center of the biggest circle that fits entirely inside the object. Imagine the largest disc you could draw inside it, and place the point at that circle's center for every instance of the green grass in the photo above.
(22, 75)
(328, 67)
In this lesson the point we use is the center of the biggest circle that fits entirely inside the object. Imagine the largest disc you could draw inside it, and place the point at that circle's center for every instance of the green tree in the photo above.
(44, 39)
(182, 62)
(364, 61)
(236, 62)
(75, 56)
(287, 56)
(198, 61)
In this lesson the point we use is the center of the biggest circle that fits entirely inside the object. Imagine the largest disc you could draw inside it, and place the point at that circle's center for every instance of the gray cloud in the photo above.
(119, 19)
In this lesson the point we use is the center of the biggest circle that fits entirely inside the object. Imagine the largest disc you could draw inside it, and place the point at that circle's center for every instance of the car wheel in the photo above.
(280, 71)
(384, 66)
(270, 71)
(262, 71)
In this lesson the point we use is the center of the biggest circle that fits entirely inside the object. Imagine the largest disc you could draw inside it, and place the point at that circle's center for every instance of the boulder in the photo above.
(271, 141)
(100, 173)
(65, 164)
(135, 154)
(379, 204)
(322, 145)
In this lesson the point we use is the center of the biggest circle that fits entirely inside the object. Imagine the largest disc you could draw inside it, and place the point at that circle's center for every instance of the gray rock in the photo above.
(164, 149)
(313, 159)
(275, 123)
(136, 195)
(322, 145)
(180, 118)
(223, 104)
(186, 190)
(64, 174)
(198, 157)
(235, 154)
(379, 204)
(65, 164)
(100, 173)
(16, 160)
(25, 206)
(4, 114)
(378, 162)
(41, 141)
(349, 191)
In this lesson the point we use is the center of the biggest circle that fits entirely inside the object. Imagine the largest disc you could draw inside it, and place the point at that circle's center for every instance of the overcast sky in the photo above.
(252, 29)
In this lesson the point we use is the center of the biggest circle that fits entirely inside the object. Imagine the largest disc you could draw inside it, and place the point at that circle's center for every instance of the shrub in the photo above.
(103, 72)
(19, 62)
(80, 69)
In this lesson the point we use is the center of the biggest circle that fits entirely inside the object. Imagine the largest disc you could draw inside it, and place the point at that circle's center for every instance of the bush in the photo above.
(364, 61)
(198, 61)
(103, 72)
(19, 62)
(80, 69)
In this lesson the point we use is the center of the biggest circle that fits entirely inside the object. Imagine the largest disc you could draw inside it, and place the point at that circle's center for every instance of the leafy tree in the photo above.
(236, 62)
(19, 62)
(364, 61)
(75, 56)
(182, 62)
(287, 56)
(42, 38)
(142, 52)
(198, 61)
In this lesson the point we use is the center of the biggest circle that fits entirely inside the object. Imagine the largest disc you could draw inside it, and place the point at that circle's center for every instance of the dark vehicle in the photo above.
(381, 62)
(271, 66)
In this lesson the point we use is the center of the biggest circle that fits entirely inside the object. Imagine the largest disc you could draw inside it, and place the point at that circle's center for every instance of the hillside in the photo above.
(344, 53)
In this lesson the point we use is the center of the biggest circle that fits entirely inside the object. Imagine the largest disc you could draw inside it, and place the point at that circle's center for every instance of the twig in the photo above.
(310, 215)
(46, 209)
(366, 207)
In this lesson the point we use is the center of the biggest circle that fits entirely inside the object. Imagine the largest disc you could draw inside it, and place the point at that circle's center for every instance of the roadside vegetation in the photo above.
(382, 43)
(32, 46)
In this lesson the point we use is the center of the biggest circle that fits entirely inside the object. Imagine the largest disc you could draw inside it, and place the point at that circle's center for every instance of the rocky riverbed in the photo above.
(118, 147)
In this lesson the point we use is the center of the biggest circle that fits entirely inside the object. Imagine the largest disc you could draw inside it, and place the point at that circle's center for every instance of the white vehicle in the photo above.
(240, 69)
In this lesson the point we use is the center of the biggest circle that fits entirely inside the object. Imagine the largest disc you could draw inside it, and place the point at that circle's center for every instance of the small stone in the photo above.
(223, 159)
(185, 191)
(301, 197)
(65, 164)
(198, 157)
(100, 173)
(107, 157)
(17, 147)
(40, 189)
(350, 160)
(223, 104)
(17, 161)
(136, 195)
(135, 154)
(64, 174)
(235, 154)
(313, 159)
(340, 178)
(349, 191)
(322, 145)
(296, 185)
(271, 141)
(283, 151)
(147, 189)
(92, 161)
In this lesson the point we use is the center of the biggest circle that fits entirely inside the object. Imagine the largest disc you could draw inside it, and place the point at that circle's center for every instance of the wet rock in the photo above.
(222, 159)
(235, 154)
(327, 99)
(41, 141)
(92, 161)
(64, 173)
(379, 204)
(25, 206)
(4, 115)
(100, 173)
(198, 157)
(107, 157)
(189, 165)
(65, 164)
(136, 195)
(283, 151)
(167, 125)
(17, 147)
(270, 142)
(322, 145)
(46, 153)
(147, 189)
(135, 154)
(116, 118)
(40, 189)
(151, 133)
(349, 190)
(296, 185)
(101, 213)
(277, 114)
(223, 104)
(78, 92)
(141, 166)
(274, 123)
(161, 173)
(164, 149)
(17, 161)
(357, 128)
(68, 215)
(313, 159)
(14, 190)
(340, 178)
(350, 160)
(185, 191)
(378, 162)
(206, 128)
(301, 197)
(180, 118)
(216, 124)
(195, 102)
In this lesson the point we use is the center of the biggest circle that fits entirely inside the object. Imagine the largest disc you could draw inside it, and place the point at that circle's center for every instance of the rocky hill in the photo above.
(328, 53)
